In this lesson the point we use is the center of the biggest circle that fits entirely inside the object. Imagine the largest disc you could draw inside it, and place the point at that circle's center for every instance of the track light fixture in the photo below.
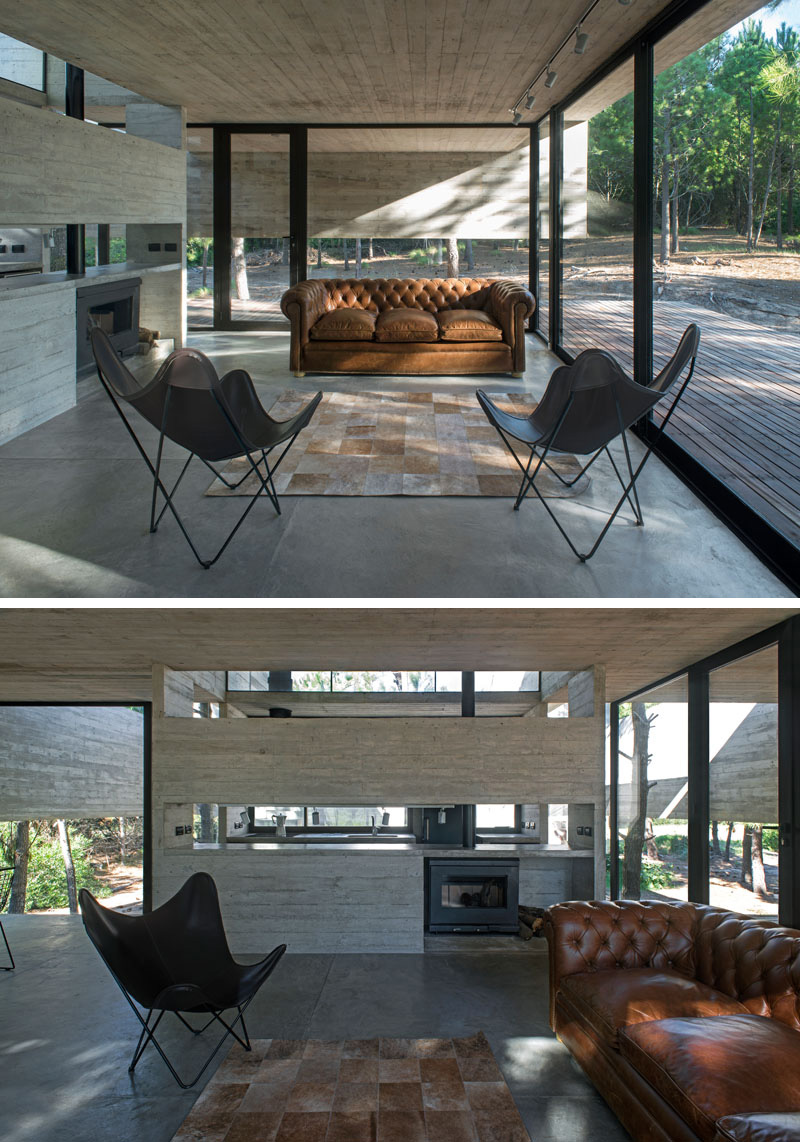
(551, 77)
(516, 119)
(625, 3)
(581, 41)
(550, 74)
(529, 102)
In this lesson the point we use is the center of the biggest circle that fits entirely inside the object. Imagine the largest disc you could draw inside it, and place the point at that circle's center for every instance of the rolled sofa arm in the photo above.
(601, 935)
(303, 304)
(511, 304)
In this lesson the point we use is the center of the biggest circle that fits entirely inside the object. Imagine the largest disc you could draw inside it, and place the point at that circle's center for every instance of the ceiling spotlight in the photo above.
(529, 102)
(551, 77)
(517, 118)
(581, 41)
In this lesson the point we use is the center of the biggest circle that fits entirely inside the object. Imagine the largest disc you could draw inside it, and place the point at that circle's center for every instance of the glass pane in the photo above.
(727, 217)
(543, 210)
(20, 62)
(259, 226)
(448, 681)
(495, 816)
(358, 817)
(311, 680)
(597, 207)
(384, 203)
(652, 794)
(506, 680)
(376, 681)
(264, 815)
(200, 227)
(557, 824)
(743, 785)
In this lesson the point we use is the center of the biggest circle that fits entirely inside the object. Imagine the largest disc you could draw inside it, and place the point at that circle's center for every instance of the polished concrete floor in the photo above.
(74, 508)
(66, 1034)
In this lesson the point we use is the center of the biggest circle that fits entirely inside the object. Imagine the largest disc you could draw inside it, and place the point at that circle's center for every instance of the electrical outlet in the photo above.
(154, 247)
(179, 830)
(587, 830)
(579, 830)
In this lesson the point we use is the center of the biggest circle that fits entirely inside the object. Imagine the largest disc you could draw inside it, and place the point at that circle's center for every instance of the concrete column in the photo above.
(163, 296)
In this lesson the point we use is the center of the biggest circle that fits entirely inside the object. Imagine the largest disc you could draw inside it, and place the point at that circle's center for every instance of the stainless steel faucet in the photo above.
(374, 828)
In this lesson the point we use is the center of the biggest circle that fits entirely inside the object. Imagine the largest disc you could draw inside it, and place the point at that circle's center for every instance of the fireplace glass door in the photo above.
(471, 895)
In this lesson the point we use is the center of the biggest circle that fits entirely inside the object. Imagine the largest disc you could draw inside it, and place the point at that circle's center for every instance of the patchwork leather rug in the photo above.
(357, 1090)
(400, 444)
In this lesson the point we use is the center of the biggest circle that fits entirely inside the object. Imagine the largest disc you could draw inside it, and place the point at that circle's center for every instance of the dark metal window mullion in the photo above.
(789, 773)
(533, 223)
(698, 798)
(643, 79)
(613, 802)
(556, 225)
(222, 227)
(298, 204)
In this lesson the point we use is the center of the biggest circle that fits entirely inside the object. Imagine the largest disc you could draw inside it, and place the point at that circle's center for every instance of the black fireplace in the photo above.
(114, 307)
(472, 895)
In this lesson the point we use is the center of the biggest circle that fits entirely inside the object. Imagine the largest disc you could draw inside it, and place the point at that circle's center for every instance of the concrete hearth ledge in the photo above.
(409, 848)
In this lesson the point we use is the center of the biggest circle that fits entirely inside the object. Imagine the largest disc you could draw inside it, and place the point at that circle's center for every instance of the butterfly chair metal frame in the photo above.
(166, 379)
(6, 876)
(548, 440)
(182, 998)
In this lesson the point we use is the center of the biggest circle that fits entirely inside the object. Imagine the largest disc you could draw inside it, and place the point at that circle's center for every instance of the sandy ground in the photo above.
(125, 882)
(725, 889)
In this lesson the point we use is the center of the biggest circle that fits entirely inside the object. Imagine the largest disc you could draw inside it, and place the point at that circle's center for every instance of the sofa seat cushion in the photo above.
(759, 1128)
(344, 325)
(612, 999)
(468, 325)
(708, 1068)
(406, 325)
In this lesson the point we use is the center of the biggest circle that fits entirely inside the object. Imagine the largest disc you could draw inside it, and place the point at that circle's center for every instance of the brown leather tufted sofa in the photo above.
(393, 325)
(686, 1018)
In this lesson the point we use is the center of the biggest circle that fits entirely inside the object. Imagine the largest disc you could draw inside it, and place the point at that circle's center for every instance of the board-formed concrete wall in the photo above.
(68, 761)
(56, 170)
(372, 194)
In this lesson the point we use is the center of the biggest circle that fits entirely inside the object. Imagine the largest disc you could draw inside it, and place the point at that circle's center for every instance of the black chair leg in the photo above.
(8, 948)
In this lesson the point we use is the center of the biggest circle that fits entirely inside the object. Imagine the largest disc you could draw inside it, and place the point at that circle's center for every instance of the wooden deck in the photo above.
(740, 415)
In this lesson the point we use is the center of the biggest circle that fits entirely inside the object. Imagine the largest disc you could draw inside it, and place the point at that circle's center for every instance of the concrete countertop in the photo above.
(404, 848)
(20, 283)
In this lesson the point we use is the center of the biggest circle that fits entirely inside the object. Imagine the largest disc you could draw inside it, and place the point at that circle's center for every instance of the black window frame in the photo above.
(786, 637)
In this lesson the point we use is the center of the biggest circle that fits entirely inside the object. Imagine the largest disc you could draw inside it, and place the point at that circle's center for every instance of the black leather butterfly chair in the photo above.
(176, 958)
(6, 875)
(216, 419)
(585, 406)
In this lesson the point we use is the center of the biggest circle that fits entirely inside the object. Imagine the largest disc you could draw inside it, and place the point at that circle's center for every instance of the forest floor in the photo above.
(712, 270)
(725, 889)
(125, 884)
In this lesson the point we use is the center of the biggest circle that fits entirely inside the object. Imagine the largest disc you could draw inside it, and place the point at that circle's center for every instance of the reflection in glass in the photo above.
(259, 225)
(652, 794)
(743, 785)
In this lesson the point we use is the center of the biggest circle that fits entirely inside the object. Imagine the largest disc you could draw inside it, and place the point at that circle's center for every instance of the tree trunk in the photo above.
(358, 257)
(69, 867)
(469, 256)
(206, 244)
(19, 881)
(779, 190)
(240, 270)
(319, 253)
(664, 252)
(284, 251)
(674, 235)
(790, 194)
(441, 251)
(370, 254)
(206, 824)
(746, 875)
(757, 864)
(768, 187)
(689, 208)
(751, 177)
(728, 841)
(123, 843)
(715, 838)
(634, 838)
(452, 257)
(346, 255)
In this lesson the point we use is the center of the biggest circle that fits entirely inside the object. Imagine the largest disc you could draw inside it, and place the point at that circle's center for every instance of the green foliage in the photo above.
(770, 840)
(194, 251)
(656, 875)
(47, 885)
(117, 251)
(201, 291)
(676, 844)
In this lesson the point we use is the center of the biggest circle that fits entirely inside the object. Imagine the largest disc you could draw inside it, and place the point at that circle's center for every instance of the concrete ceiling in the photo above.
(84, 654)
(328, 61)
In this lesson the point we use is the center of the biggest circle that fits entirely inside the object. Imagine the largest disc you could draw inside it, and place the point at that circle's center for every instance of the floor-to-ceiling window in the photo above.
(541, 287)
(596, 197)
(726, 213)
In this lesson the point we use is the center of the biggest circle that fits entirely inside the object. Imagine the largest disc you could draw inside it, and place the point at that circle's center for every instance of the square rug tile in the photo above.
(357, 1090)
(400, 444)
